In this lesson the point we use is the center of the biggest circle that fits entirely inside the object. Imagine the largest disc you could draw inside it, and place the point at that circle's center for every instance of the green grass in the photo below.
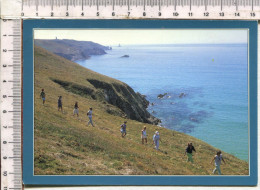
(64, 145)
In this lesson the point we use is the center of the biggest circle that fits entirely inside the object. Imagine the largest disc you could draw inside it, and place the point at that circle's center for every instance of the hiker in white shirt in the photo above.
(89, 114)
(218, 158)
(144, 135)
(156, 139)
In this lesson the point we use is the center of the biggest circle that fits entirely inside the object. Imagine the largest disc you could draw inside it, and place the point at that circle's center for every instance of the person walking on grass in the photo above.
(42, 95)
(60, 103)
(188, 151)
(89, 114)
(144, 135)
(123, 129)
(156, 139)
(218, 158)
(76, 109)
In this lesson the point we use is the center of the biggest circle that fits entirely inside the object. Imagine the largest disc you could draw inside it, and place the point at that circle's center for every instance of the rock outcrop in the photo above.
(133, 105)
(125, 56)
(160, 96)
(123, 96)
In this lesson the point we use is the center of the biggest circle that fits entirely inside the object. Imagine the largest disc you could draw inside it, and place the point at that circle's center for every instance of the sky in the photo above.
(149, 36)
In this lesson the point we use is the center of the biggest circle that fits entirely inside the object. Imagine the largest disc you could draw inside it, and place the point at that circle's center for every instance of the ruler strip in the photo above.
(10, 110)
(139, 2)
(132, 9)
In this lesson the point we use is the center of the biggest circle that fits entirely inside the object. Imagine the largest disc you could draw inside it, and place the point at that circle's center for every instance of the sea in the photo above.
(205, 88)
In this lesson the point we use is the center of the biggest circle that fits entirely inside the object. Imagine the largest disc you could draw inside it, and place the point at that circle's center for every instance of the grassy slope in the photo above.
(65, 145)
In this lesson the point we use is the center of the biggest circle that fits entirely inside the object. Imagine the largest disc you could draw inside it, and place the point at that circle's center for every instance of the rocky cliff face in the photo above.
(71, 49)
(123, 96)
(132, 105)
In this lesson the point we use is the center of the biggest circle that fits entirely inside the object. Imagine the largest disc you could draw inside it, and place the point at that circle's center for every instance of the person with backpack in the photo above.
(123, 129)
(156, 139)
(89, 114)
(218, 158)
(76, 109)
(42, 95)
(144, 135)
(188, 151)
(60, 103)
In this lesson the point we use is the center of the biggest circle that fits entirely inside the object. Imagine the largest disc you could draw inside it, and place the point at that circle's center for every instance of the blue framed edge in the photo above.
(28, 88)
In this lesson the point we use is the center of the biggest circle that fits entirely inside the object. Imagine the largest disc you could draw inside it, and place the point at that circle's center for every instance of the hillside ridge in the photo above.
(115, 93)
(72, 49)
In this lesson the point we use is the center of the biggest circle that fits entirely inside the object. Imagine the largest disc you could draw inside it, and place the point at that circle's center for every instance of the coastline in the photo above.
(196, 108)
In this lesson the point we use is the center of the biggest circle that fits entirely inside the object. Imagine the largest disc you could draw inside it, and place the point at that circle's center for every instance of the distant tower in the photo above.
(56, 38)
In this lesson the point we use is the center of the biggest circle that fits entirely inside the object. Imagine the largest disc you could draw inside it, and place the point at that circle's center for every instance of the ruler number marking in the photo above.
(5, 173)
(206, 14)
(175, 14)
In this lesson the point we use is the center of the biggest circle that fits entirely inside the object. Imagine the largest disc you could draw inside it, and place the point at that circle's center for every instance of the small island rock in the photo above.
(160, 96)
(125, 56)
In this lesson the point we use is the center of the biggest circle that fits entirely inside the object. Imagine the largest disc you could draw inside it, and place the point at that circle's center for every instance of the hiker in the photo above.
(144, 135)
(76, 109)
(156, 139)
(217, 159)
(42, 95)
(89, 114)
(188, 151)
(123, 129)
(60, 103)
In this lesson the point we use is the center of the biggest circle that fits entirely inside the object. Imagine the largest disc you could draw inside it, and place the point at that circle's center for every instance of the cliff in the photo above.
(71, 49)
(126, 103)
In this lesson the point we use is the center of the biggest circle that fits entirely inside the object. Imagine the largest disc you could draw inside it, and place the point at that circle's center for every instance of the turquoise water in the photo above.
(213, 78)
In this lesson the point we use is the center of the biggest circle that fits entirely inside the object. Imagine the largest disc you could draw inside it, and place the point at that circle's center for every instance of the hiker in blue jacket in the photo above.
(123, 129)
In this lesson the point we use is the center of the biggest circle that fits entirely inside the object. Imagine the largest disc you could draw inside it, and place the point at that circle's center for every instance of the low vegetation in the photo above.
(65, 145)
